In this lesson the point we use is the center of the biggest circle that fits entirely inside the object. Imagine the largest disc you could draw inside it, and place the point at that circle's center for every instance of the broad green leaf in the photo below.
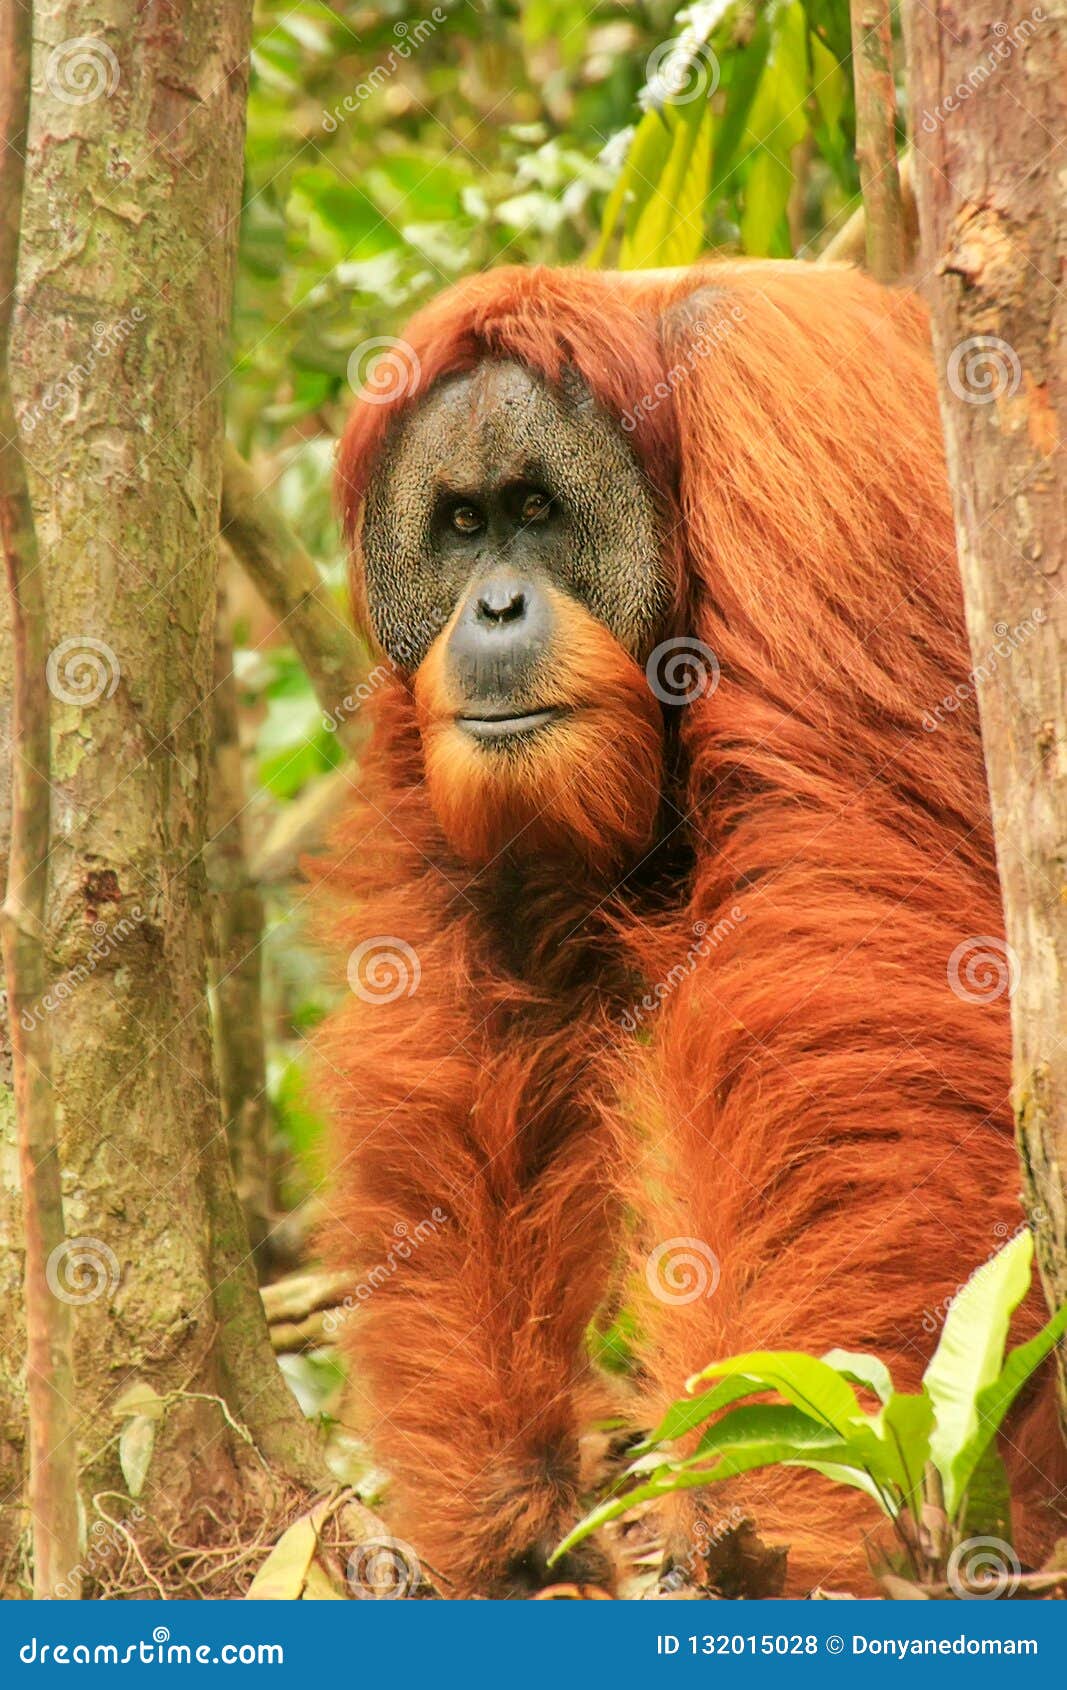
(760, 1436)
(764, 225)
(685, 1416)
(905, 1424)
(969, 1357)
(993, 1401)
(807, 1383)
(862, 1370)
(986, 1508)
(766, 1424)
(741, 80)
(646, 161)
(852, 1476)
(670, 227)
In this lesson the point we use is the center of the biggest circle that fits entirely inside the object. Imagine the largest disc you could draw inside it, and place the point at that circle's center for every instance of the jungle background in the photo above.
(201, 722)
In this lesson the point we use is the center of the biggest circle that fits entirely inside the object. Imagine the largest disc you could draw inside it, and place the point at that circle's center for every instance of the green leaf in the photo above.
(670, 227)
(764, 1424)
(761, 1435)
(862, 1370)
(986, 1510)
(685, 1416)
(808, 1384)
(993, 1401)
(969, 1358)
(905, 1424)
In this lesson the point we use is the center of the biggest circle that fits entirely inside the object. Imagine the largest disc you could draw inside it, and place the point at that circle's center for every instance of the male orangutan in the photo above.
(672, 880)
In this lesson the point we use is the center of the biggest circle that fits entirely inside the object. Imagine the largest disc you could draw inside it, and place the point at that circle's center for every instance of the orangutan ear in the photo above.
(575, 389)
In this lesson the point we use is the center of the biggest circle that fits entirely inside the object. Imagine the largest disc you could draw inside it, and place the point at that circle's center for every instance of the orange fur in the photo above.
(810, 1100)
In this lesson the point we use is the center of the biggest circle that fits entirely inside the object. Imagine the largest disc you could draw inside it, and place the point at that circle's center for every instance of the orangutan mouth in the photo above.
(496, 726)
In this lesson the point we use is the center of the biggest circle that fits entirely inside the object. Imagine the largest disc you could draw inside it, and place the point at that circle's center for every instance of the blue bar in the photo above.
(540, 1645)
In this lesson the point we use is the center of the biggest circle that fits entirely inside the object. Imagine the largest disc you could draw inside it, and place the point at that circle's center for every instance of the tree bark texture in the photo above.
(129, 241)
(986, 96)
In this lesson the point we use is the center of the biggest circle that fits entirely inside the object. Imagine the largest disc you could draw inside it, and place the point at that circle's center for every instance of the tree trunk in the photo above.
(129, 240)
(987, 108)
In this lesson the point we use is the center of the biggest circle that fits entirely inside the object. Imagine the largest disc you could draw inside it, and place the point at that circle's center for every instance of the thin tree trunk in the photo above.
(238, 960)
(986, 94)
(876, 139)
(53, 1474)
(129, 243)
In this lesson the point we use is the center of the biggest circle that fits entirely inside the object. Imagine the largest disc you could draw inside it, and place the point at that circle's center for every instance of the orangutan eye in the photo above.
(466, 520)
(535, 507)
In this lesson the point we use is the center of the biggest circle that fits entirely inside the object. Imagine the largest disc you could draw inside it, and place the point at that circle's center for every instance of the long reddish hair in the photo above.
(809, 1095)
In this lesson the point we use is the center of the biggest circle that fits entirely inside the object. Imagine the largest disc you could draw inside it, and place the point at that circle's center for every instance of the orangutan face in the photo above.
(512, 564)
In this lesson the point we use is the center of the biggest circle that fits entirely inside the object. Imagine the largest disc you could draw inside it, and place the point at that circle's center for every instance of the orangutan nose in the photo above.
(498, 643)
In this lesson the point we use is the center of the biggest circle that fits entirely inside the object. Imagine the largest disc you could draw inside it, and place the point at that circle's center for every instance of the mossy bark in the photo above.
(130, 230)
(986, 87)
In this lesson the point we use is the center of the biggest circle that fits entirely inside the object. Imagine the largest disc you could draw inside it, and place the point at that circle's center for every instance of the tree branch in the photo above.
(876, 145)
(50, 1386)
(289, 581)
